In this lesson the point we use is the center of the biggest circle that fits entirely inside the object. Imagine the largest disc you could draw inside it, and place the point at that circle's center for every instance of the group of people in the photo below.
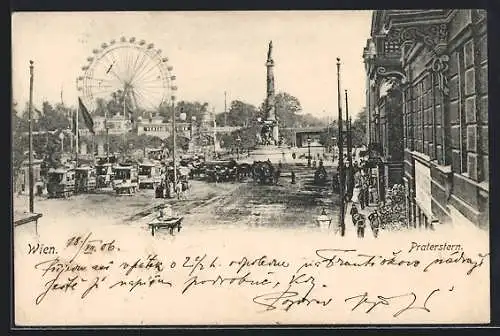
(359, 221)
(168, 188)
(363, 192)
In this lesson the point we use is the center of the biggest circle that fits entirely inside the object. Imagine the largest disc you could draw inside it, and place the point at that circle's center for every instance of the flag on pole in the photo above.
(87, 118)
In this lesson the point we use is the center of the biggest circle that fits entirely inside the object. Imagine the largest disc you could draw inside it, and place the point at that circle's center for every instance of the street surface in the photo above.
(209, 206)
(224, 204)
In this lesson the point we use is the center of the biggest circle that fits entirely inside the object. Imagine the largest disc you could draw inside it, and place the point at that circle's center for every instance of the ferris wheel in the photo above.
(133, 71)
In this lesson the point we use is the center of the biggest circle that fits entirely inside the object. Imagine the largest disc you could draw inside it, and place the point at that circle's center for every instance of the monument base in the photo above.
(272, 152)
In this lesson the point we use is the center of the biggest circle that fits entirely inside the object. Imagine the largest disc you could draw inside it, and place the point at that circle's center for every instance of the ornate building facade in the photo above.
(437, 61)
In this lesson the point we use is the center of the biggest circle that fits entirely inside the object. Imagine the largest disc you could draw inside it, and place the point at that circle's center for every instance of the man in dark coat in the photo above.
(374, 219)
(359, 221)
(354, 211)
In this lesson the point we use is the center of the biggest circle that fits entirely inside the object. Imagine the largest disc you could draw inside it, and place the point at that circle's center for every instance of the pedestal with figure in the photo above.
(268, 133)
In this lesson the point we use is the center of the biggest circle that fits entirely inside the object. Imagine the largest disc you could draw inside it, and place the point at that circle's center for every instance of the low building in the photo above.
(163, 130)
(21, 182)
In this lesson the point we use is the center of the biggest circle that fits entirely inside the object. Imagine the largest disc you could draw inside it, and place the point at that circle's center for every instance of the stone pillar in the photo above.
(270, 108)
(83, 148)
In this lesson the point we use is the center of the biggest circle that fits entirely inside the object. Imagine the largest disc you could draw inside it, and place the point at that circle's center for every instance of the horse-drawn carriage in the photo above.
(104, 171)
(149, 175)
(125, 179)
(264, 172)
(104, 174)
(61, 182)
(85, 179)
(218, 171)
(320, 176)
(244, 170)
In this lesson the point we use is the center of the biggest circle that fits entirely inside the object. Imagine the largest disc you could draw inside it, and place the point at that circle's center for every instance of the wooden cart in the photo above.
(21, 218)
(167, 223)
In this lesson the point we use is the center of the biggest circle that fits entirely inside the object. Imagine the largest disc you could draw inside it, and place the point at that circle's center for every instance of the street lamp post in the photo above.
(334, 139)
(61, 137)
(238, 141)
(350, 170)
(308, 152)
(191, 131)
(173, 140)
(30, 149)
(348, 131)
(341, 156)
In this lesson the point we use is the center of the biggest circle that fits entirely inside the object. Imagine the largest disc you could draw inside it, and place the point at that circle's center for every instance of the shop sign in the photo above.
(423, 195)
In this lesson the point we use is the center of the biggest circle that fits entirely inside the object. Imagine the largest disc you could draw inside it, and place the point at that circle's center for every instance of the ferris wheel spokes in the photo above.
(111, 69)
(135, 71)
(148, 103)
(134, 65)
(141, 75)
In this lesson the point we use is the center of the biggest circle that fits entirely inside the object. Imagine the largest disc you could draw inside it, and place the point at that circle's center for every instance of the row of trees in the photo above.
(289, 113)
(58, 117)
(358, 131)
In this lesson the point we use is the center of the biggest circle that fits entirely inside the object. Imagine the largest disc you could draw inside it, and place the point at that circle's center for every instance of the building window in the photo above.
(419, 116)
(411, 118)
(462, 121)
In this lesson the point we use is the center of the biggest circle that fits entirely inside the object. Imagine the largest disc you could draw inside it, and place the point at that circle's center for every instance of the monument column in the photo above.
(270, 118)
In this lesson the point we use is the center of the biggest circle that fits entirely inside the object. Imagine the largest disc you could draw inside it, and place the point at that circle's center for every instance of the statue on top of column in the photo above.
(270, 51)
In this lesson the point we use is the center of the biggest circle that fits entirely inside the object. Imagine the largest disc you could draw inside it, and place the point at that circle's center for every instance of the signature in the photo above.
(364, 301)
(288, 298)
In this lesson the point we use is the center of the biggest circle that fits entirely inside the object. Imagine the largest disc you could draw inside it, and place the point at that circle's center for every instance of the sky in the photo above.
(211, 52)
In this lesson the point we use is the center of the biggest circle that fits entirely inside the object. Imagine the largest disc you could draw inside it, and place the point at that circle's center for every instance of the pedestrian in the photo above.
(359, 221)
(374, 219)
(373, 196)
(277, 175)
(366, 193)
(353, 212)
(178, 189)
(361, 197)
(293, 177)
(355, 195)
(294, 155)
(165, 212)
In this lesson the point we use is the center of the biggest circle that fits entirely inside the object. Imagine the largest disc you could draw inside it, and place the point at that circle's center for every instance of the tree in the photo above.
(115, 104)
(50, 118)
(19, 125)
(288, 109)
(289, 112)
(241, 114)
(101, 107)
(191, 109)
(330, 136)
(358, 128)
